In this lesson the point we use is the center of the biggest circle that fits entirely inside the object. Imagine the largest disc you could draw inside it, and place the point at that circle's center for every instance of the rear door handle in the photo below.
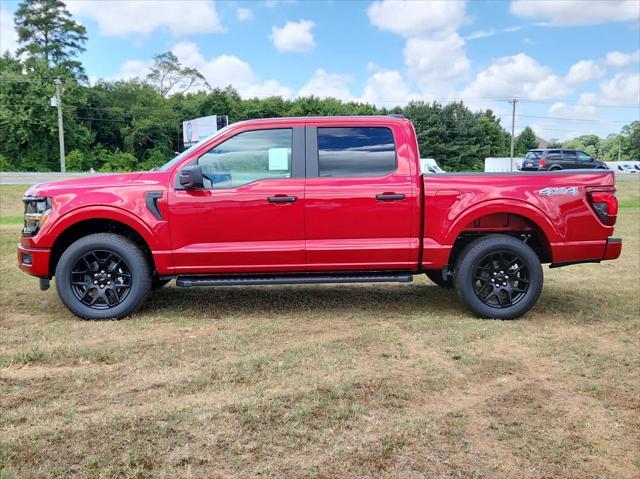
(282, 199)
(389, 197)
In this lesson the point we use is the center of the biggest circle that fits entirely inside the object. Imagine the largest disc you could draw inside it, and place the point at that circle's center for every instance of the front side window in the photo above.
(248, 157)
(582, 156)
(355, 151)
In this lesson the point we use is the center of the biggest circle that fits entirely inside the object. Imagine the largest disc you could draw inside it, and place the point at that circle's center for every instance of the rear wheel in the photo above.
(435, 275)
(103, 276)
(498, 276)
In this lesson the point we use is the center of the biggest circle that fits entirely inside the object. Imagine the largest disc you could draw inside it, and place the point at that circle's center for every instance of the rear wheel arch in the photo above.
(521, 227)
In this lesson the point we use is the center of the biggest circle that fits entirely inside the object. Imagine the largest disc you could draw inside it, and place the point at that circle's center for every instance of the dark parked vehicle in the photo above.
(549, 160)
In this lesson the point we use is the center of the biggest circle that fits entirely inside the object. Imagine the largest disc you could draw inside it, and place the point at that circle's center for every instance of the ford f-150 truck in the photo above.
(313, 200)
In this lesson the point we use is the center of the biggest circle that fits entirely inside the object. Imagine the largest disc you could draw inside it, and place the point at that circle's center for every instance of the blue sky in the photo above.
(573, 64)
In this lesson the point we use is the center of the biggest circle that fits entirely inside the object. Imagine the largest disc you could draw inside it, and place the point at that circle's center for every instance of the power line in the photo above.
(573, 119)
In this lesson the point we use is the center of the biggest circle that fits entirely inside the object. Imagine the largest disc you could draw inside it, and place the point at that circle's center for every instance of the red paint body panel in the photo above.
(336, 224)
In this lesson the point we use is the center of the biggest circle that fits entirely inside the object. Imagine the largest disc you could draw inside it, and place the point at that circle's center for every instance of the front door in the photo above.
(359, 199)
(250, 214)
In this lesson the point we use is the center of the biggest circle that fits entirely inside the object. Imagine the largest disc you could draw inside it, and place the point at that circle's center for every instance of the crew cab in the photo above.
(313, 200)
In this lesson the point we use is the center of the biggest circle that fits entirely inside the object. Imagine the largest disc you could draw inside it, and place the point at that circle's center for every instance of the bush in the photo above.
(76, 161)
(119, 162)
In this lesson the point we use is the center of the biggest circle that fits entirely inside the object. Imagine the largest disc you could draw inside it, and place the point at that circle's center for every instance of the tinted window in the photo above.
(570, 154)
(247, 157)
(554, 155)
(582, 156)
(355, 152)
(533, 155)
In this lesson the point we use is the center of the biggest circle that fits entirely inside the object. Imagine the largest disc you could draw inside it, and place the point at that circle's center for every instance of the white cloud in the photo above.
(481, 34)
(517, 75)
(416, 17)
(387, 88)
(243, 14)
(8, 34)
(576, 12)
(225, 70)
(619, 59)
(564, 110)
(622, 89)
(325, 85)
(583, 72)
(436, 64)
(293, 36)
(121, 18)
(131, 69)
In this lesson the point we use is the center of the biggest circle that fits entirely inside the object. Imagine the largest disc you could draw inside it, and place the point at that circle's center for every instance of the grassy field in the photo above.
(326, 380)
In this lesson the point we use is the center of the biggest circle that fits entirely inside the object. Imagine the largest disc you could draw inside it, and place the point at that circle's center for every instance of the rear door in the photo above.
(570, 159)
(360, 198)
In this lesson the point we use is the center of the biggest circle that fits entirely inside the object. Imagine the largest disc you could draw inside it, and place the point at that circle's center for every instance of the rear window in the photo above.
(355, 151)
(533, 155)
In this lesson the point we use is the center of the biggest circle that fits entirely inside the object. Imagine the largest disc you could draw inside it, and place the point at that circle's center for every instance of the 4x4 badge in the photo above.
(561, 190)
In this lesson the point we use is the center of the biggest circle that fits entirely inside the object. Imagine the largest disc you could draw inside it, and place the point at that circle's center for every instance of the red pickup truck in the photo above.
(313, 200)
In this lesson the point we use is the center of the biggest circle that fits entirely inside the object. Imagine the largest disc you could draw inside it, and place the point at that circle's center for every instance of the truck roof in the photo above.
(330, 119)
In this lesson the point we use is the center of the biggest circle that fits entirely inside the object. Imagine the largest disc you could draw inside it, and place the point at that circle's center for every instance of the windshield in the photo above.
(186, 152)
(533, 155)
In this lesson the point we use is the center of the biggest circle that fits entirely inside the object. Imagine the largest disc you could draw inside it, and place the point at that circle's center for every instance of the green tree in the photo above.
(168, 76)
(47, 33)
(525, 141)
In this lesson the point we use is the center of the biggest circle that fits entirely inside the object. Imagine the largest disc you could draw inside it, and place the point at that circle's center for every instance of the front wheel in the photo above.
(498, 276)
(103, 276)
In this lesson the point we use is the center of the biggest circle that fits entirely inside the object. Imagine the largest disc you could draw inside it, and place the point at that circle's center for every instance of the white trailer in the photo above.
(497, 165)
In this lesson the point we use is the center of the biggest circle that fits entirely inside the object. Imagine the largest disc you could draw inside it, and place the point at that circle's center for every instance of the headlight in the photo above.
(36, 211)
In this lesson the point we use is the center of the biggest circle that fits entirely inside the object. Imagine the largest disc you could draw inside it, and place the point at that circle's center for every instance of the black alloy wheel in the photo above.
(498, 276)
(501, 279)
(101, 279)
(103, 276)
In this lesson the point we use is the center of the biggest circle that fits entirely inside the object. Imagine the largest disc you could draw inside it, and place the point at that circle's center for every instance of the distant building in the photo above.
(542, 143)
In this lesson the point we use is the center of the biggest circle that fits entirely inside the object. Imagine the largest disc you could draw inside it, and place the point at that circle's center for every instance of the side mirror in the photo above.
(190, 177)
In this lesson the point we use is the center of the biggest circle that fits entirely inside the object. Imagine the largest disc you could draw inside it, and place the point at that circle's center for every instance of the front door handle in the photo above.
(389, 197)
(282, 199)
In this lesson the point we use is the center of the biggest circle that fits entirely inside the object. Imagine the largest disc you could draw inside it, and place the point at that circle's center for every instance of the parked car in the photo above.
(312, 200)
(550, 160)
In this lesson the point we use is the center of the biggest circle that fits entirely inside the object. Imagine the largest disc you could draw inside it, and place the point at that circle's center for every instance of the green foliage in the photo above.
(119, 162)
(137, 124)
(47, 34)
(76, 161)
(525, 141)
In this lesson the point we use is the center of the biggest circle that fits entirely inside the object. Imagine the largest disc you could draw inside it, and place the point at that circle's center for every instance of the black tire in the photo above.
(103, 276)
(555, 168)
(512, 263)
(157, 283)
(435, 275)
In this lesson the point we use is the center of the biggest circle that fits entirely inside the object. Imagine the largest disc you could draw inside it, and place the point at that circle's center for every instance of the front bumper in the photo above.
(34, 261)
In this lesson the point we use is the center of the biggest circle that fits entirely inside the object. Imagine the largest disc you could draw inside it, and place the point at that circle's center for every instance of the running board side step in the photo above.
(396, 277)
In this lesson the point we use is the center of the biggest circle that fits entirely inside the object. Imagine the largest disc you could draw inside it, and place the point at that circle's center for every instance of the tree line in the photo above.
(137, 124)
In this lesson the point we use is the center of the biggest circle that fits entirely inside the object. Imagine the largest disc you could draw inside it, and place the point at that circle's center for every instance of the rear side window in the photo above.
(554, 155)
(570, 154)
(355, 151)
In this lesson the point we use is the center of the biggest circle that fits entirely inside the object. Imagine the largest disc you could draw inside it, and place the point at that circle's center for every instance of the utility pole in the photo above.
(619, 147)
(513, 127)
(60, 125)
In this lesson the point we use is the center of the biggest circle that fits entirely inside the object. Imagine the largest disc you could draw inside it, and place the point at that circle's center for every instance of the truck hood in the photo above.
(85, 182)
